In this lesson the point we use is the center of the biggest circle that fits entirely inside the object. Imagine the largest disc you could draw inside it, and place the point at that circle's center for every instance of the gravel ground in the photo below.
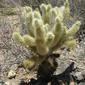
(10, 53)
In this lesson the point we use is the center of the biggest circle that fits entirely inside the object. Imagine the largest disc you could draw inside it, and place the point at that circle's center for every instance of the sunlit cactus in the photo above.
(18, 38)
(46, 29)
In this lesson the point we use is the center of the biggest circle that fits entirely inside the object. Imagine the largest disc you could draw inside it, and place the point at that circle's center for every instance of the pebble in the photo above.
(11, 74)
(8, 83)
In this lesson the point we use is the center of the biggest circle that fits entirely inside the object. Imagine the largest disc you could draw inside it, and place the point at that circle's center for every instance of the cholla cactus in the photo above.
(46, 30)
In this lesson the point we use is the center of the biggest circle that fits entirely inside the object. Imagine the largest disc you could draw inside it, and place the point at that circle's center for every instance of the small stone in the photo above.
(49, 83)
(11, 74)
(8, 83)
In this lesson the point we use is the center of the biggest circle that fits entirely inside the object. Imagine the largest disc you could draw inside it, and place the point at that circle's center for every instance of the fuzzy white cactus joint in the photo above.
(74, 28)
(28, 63)
(44, 35)
(29, 40)
(18, 38)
